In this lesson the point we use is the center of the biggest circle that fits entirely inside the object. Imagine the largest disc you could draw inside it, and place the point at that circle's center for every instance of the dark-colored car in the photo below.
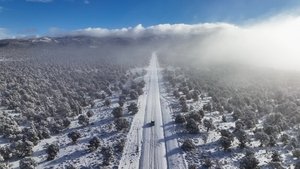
(152, 123)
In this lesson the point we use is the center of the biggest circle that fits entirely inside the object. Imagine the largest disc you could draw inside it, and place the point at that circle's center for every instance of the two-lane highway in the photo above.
(146, 146)
(153, 155)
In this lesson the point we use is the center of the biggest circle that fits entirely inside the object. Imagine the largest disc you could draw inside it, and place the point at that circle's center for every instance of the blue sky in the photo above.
(30, 17)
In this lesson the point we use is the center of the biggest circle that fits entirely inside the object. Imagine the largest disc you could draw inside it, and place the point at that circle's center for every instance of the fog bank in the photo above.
(272, 42)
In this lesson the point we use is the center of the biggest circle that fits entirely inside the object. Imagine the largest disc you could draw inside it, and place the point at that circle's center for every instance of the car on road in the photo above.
(152, 123)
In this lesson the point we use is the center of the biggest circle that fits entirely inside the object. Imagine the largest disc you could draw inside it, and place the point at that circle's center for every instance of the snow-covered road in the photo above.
(152, 147)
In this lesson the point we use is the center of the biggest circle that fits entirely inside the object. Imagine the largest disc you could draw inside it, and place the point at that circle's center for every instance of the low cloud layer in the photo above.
(162, 29)
(273, 42)
(4, 33)
(42, 1)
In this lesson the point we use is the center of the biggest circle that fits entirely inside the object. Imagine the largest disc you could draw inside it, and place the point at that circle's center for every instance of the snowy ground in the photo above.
(131, 152)
(152, 147)
(146, 146)
(101, 125)
(174, 153)
(207, 143)
(76, 154)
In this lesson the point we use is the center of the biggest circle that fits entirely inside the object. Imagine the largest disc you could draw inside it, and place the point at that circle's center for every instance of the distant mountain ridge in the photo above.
(74, 40)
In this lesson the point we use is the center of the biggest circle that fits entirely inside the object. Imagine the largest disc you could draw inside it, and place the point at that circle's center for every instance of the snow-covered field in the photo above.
(157, 146)
(101, 125)
(132, 150)
(208, 142)
(174, 153)
(146, 146)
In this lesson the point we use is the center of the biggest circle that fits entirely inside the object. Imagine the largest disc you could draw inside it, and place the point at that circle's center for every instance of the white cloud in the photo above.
(273, 42)
(162, 29)
(86, 2)
(42, 1)
(4, 33)
(55, 31)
